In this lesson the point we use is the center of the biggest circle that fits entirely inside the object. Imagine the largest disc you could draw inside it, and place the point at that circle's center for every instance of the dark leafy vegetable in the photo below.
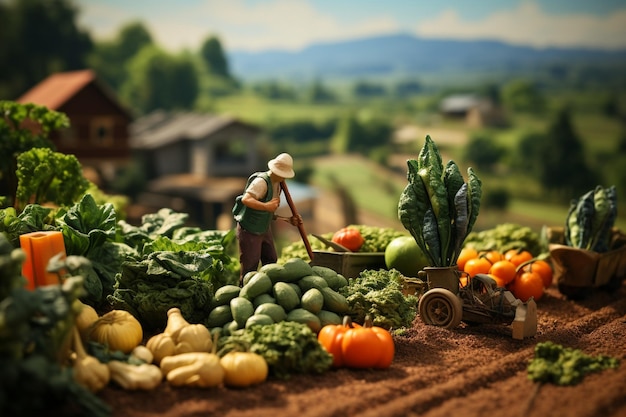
(288, 347)
(436, 208)
(560, 365)
(34, 218)
(89, 230)
(183, 274)
(162, 223)
(590, 219)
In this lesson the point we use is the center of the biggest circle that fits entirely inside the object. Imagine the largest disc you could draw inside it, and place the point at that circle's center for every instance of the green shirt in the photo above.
(251, 220)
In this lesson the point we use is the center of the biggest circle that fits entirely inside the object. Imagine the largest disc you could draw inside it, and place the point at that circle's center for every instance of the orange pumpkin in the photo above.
(330, 337)
(358, 346)
(349, 237)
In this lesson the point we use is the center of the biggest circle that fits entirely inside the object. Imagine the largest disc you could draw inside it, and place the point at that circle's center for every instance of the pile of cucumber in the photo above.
(292, 291)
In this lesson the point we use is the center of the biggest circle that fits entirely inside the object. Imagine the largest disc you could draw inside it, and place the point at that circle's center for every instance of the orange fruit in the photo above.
(517, 256)
(493, 256)
(499, 281)
(476, 266)
(504, 270)
(463, 281)
(466, 254)
(528, 284)
(544, 269)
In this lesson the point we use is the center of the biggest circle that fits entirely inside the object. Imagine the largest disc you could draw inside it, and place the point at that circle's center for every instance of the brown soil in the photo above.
(467, 371)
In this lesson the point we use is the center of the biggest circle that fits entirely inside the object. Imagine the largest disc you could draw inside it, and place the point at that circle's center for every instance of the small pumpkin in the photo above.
(331, 336)
(356, 346)
(85, 319)
(161, 345)
(118, 329)
(243, 369)
(194, 338)
(175, 322)
(194, 369)
(349, 237)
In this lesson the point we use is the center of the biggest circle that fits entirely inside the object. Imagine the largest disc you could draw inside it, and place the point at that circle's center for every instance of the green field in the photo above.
(376, 190)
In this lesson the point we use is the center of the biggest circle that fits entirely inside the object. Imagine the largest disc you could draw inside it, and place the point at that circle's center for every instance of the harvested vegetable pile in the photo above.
(504, 237)
(375, 239)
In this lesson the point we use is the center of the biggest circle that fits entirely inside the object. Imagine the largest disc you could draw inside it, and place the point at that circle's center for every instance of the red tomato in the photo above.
(350, 237)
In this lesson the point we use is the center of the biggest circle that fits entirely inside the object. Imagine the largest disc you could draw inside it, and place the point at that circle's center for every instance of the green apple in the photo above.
(405, 255)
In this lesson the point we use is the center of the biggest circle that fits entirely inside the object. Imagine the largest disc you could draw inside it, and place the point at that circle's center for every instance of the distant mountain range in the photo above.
(404, 54)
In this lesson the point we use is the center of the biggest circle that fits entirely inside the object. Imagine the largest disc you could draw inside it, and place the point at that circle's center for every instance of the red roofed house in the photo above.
(98, 134)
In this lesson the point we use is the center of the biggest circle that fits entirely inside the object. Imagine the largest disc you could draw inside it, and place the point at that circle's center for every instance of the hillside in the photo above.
(408, 54)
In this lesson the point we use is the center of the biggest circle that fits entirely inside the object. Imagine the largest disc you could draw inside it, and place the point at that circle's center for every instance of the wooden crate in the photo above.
(349, 264)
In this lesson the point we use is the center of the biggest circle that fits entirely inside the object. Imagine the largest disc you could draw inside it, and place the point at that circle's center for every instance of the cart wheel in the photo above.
(440, 307)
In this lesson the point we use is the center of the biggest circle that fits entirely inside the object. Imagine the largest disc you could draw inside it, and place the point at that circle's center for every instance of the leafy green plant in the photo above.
(45, 176)
(590, 219)
(23, 127)
(437, 206)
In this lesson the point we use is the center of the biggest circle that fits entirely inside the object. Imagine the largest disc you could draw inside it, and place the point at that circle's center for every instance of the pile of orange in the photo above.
(516, 270)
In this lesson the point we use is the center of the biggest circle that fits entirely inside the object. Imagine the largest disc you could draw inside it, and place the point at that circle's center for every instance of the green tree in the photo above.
(214, 57)
(528, 153)
(318, 93)
(483, 152)
(523, 96)
(39, 37)
(158, 80)
(354, 134)
(563, 168)
(365, 89)
(408, 88)
(110, 58)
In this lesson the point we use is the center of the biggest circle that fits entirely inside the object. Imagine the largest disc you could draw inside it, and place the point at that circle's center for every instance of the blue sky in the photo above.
(255, 25)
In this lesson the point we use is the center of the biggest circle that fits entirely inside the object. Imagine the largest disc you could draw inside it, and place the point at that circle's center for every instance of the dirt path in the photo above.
(469, 371)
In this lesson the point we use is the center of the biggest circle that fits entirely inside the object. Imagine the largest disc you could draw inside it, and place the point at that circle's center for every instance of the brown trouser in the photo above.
(254, 248)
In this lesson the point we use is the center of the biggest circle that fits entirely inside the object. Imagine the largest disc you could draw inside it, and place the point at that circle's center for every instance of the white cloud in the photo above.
(529, 25)
(294, 24)
(288, 24)
(284, 24)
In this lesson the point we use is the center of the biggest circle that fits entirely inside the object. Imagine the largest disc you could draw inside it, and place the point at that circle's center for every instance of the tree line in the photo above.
(41, 37)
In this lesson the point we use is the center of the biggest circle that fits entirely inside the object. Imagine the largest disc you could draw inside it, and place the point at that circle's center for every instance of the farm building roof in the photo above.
(160, 127)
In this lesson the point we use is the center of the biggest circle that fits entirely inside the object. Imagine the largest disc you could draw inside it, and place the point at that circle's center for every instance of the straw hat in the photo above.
(282, 166)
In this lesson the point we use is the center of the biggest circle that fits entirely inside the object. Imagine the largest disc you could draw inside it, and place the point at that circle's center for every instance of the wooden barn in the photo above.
(99, 125)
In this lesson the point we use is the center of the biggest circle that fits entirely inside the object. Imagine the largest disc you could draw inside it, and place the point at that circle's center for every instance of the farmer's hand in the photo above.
(273, 204)
(295, 220)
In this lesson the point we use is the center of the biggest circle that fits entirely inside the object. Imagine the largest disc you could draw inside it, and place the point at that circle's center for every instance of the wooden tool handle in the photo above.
(292, 206)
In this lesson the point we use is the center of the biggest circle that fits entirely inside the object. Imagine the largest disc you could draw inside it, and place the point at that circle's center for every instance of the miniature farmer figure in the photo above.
(254, 211)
